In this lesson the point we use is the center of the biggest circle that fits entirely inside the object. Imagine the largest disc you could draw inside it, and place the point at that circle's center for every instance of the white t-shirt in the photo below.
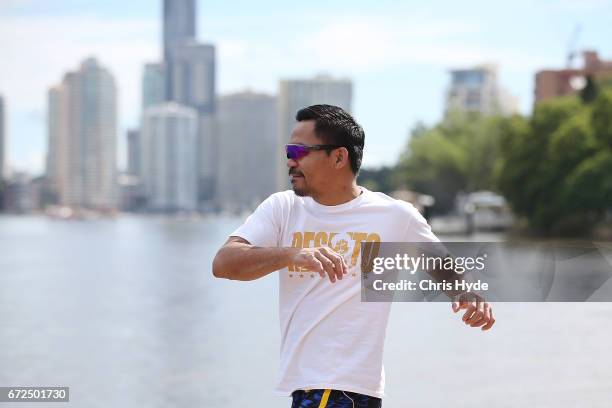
(329, 337)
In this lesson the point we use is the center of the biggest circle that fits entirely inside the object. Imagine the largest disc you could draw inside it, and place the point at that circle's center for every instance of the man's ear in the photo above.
(340, 157)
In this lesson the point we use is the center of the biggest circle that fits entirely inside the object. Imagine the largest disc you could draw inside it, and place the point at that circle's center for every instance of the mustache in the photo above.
(293, 172)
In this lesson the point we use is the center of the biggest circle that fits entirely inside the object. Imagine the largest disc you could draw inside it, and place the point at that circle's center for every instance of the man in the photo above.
(331, 342)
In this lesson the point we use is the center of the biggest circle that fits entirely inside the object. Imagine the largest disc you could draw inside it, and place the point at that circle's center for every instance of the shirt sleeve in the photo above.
(418, 229)
(262, 227)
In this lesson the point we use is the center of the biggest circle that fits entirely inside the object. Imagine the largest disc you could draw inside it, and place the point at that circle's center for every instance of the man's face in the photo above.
(311, 174)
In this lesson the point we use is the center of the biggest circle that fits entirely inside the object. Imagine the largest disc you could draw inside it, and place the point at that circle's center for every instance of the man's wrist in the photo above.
(289, 254)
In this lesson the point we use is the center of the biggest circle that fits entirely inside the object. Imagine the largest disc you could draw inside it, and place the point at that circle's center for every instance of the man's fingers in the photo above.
(341, 261)
(490, 322)
(328, 266)
(336, 259)
(325, 261)
(478, 313)
(460, 303)
(470, 309)
(344, 265)
(484, 318)
(317, 266)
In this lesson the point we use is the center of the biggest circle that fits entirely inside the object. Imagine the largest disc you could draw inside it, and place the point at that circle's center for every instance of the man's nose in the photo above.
(292, 163)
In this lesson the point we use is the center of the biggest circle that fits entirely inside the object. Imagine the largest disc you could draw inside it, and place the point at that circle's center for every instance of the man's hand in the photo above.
(477, 311)
(322, 260)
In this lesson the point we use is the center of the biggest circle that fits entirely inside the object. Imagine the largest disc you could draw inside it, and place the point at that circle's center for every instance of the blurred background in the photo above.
(135, 136)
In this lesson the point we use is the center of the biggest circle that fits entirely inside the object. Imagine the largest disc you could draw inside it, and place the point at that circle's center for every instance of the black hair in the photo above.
(335, 126)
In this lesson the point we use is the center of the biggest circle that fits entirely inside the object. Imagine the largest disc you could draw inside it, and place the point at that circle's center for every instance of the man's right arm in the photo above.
(239, 260)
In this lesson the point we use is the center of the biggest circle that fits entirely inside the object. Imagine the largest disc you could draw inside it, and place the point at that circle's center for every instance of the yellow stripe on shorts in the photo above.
(324, 398)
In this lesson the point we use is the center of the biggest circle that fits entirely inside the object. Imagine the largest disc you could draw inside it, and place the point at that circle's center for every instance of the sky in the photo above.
(398, 54)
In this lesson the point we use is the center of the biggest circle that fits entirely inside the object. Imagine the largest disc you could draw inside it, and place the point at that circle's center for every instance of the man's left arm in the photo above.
(478, 312)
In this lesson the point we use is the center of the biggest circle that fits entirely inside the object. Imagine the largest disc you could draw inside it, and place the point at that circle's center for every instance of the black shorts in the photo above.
(333, 399)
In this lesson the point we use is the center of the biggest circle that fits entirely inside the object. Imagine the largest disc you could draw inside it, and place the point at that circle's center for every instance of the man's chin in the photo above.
(300, 192)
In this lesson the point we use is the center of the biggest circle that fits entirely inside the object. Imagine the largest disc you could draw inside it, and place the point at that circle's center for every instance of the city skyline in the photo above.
(398, 58)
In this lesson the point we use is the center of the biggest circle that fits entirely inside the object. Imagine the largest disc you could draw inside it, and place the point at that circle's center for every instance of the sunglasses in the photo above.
(297, 151)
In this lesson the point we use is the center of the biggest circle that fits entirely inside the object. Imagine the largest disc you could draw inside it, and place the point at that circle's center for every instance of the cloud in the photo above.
(38, 51)
(41, 50)
(356, 45)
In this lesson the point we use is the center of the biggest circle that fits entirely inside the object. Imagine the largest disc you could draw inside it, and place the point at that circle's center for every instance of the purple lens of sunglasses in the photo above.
(296, 152)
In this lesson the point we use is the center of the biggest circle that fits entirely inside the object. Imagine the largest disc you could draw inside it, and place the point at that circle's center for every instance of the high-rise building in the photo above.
(153, 85)
(133, 152)
(131, 195)
(192, 76)
(208, 159)
(179, 27)
(179, 23)
(2, 150)
(190, 66)
(477, 90)
(299, 93)
(550, 84)
(246, 131)
(2, 141)
(82, 132)
(57, 138)
(169, 153)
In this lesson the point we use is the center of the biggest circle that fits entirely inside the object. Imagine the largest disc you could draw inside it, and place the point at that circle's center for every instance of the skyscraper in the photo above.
(57, 138)
(190, 81)
(2, 150)
(179, 27)
(131, 196)
(153, 85)
(192, 76)
(179, 23)
(190, 66)
(133, 152)
(478, 90)
(246, 126)
(2, 141)
(82, 132)
(208, 160)
(296, 94)
(169, 143)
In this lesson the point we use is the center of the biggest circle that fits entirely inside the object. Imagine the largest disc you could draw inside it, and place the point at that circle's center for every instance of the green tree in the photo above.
(590, 91)
(384, 179)
(458, 154)
(554, 169)
(601, 117)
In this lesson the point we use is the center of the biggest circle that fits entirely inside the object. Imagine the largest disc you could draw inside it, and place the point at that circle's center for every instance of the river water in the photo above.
(127, 314)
